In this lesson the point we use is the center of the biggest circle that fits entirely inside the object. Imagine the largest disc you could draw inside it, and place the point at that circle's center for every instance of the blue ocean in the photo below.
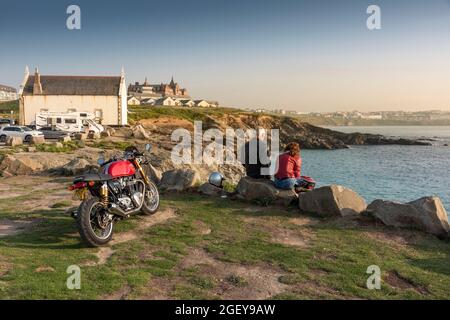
(399, 173)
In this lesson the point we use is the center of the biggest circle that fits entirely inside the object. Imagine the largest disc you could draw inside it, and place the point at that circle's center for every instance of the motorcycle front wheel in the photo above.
(94, 224)
(151, 199)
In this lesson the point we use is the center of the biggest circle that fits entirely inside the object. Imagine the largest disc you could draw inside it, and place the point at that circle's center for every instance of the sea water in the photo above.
(399, 173)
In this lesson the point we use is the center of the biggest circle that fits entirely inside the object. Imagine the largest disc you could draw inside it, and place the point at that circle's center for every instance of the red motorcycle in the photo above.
(119, 190)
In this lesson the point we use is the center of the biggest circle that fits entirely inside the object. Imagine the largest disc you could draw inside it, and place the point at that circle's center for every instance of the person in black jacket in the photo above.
(252, 160)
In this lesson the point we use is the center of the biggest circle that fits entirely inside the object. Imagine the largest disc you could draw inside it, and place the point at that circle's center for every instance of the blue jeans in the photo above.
(287, 184)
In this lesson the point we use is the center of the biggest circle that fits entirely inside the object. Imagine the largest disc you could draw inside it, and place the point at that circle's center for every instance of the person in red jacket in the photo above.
(289, 168)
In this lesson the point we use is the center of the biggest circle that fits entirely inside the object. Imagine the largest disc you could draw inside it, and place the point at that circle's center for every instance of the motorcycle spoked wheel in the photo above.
(151, 199)
(94, 225)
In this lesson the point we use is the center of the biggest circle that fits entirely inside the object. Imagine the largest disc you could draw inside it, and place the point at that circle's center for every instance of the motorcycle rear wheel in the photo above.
(90, 213)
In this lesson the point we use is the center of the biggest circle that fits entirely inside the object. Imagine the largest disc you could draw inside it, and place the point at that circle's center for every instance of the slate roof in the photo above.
(7, 88)
(75, 85)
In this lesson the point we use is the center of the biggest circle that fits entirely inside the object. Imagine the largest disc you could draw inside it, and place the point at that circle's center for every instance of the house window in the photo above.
(98, 114)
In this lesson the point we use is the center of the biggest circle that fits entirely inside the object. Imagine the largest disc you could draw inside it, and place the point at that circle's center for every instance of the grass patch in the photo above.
(191, 114)
(333, 266)
(69, 146)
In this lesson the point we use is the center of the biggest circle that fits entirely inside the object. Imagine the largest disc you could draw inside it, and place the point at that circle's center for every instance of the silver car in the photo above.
(19, 131)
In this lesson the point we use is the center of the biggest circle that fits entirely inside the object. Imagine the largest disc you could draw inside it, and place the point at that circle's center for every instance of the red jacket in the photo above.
(288, 166)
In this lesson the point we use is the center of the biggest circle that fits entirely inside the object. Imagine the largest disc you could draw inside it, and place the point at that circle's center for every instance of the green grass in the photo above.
(110, 145)
(7, 107)
(341, 254)
(190, 114)
(66, 147)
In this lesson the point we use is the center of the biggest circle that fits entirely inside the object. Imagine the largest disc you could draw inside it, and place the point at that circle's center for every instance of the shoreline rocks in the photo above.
(426, 214)
(263, 191)
(332, 200)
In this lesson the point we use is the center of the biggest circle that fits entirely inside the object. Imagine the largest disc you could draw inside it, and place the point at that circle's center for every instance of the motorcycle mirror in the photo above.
(148, 147)
(100, 161)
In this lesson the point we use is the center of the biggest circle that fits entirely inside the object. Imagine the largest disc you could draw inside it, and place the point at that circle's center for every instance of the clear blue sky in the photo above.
(299, 55)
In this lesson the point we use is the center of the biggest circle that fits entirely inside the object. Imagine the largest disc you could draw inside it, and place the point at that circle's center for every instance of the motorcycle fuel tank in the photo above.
(121, 168)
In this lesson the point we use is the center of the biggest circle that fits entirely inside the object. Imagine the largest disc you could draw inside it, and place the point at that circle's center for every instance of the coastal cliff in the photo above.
(164, 120)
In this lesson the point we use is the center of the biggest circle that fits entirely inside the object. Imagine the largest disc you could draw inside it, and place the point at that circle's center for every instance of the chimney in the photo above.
(37, 87)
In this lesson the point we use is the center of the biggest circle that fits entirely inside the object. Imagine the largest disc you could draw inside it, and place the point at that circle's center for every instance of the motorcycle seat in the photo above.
(93, 177)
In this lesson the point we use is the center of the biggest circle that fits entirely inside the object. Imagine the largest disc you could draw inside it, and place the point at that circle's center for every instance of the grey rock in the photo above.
(332, 200)
(426, 214)
(179, 180)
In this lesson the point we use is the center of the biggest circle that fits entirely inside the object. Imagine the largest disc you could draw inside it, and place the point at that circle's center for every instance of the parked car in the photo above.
(19, 131)
(54, 133)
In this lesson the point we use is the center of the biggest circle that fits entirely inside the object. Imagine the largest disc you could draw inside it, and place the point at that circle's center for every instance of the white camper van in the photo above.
(68, 121)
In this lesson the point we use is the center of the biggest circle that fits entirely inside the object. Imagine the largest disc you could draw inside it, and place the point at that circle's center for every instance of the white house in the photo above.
(202, 103)
(133, 101)
(168, 101)
(187, 102)
(104, 96)
(8, 93)
(148, 101)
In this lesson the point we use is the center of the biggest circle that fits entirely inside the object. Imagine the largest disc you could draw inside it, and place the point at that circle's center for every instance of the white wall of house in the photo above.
(108, 106)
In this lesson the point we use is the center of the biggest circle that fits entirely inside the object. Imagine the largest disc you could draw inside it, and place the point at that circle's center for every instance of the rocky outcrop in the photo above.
(263, 191)
(332, 201)
(77, 166)
(37, 140)
(293, 129)
(30, 163)
(426, 214)
(139, 132)
(14, 141)
(81, 136)
(179, 180)
(153, 173)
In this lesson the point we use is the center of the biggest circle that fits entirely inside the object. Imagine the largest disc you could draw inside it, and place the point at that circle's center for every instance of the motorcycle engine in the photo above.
(126, 192)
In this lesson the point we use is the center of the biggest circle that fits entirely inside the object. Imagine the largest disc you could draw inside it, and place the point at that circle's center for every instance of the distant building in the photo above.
(146, 90)
(133, 101)
(168, 101)
(106, 97)
(186, 102)
(203, 104)
(8, 93)
(148, 101)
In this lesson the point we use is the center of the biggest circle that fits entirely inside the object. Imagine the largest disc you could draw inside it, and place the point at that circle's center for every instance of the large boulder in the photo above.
(139, 132)
(37, 140)
(65, 139)
(332, 200)
(153, 173)
(94, 135)
(14, 141)
(210, 190)
(81, 136)
(77, 166)
(11, 166)
(29, 163)
(263, 191)
(426, 214)
(179, 180)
